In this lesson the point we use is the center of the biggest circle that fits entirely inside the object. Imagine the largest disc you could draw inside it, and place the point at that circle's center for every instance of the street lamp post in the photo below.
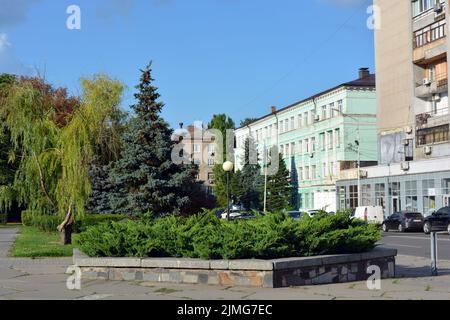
(228, 166)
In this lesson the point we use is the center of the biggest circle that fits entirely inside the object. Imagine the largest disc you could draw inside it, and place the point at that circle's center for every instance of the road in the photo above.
(416, 244)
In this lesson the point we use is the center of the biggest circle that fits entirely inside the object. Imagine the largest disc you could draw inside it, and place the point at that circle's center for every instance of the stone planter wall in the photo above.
(250, 273)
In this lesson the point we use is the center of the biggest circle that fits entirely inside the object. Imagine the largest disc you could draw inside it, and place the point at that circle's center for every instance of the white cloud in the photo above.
(9, 63)
(4, 43)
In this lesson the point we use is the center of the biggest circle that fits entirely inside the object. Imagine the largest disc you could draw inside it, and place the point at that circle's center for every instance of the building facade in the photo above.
(411, 49)
(199, 145)
(318, 138)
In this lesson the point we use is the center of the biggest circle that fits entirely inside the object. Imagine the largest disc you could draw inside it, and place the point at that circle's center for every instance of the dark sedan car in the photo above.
(403, 221)
(438, 221)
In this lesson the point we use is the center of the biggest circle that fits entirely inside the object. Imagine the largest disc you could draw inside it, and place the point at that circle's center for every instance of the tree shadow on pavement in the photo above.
(418, 271)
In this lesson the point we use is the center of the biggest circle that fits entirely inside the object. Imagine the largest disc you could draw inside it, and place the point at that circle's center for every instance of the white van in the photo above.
(370, 214)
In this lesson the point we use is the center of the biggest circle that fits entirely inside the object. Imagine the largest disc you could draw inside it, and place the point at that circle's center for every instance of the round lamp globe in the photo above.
(228, 166)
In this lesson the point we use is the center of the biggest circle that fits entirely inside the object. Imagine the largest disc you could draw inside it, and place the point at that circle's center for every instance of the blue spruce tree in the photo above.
(145, 177)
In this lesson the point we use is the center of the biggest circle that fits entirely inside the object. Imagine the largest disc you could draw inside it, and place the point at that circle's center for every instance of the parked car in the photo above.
(370, 214)
(312, 213)
(296, 215)
(250, 215)
(438, 221)
(403, 221)
(233, 213)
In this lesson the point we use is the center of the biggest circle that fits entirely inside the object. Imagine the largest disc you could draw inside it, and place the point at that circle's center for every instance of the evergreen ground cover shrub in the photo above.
(49, 223)
(207, 237)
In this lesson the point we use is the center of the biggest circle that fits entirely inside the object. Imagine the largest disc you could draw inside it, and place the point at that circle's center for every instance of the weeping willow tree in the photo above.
(52, 177)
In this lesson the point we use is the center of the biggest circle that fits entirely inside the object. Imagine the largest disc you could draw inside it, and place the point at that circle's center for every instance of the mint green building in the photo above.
(318, 138)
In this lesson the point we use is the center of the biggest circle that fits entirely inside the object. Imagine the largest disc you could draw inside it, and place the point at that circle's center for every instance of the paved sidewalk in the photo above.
(46, 279)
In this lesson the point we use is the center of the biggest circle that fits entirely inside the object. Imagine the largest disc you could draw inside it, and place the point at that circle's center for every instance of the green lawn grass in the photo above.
(33, 243)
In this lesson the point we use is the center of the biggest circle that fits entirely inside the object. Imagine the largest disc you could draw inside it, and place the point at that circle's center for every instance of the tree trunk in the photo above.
(65, 228)
(66, 235)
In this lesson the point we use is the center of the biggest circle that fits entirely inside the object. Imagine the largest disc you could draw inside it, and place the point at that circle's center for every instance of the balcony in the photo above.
(432, 119)
(438, 85)
(430, 43)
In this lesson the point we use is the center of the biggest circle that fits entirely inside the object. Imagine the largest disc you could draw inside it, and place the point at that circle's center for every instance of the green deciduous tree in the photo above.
(145, 176)
(56, 137)
(222, 123)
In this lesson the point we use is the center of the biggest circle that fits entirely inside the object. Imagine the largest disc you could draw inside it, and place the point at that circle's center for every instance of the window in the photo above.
(312, 115)
(340, 107)
(353, 196)
(313, 173)
(330, 110)
(324, 112)
(306, 143)
(197, 148)
(429, 199)
(211, 162)
(313, 144)
(332, 169)
(446, 186)
(300, 147)
(324, 170)
(433, 135)
(366, 196)
(292, 123)
(211, 178)
(342, 198)
(420, 6)
(330, 140)
(300, 173)
(306, 173)
(380, 194)
(411, 196)
(282, 150)
(292, 149)
(337, 138)
(305, 118)
(211, 148)
(322, 141)
(300, 120)
(286, 125)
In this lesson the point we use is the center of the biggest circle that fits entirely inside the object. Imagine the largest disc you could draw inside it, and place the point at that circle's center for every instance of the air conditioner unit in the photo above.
(363, 174)
(317, 118)
(408, 130)
(426, 81)
(438, 7)
(311, 155)
(405, 166)
(427, 150)
(211, 181)
(405, 142)
(437, 97)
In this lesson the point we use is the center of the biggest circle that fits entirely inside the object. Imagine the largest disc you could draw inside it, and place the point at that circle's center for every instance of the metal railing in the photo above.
(429, 34)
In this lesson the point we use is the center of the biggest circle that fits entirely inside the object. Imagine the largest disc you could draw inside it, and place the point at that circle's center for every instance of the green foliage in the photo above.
(56, 136)
(205, 236)
(145, 176)
(279, 188)
(221, 123)
(3, 218)
(49, 223)
(247, 184)
(247, 121)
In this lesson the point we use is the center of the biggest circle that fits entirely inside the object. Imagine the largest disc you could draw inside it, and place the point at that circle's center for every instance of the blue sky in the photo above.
(209, 56)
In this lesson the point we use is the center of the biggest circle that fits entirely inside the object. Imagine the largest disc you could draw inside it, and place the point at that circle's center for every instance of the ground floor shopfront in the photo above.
(420, 192)
(317, 197)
